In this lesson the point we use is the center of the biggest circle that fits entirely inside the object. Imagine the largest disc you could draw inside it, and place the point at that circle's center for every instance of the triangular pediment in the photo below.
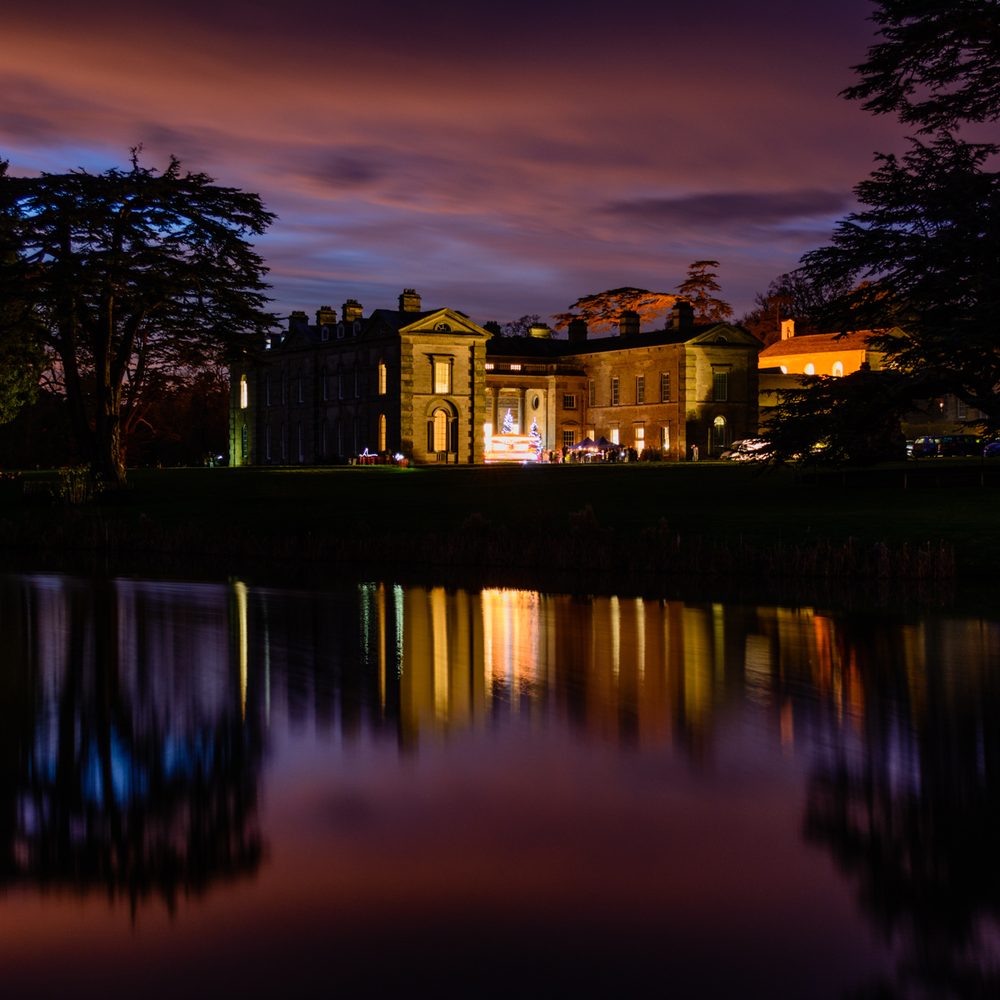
(723, 334)
(447, 322)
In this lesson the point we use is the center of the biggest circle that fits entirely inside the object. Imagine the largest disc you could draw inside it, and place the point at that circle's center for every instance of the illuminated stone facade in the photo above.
(433, 387)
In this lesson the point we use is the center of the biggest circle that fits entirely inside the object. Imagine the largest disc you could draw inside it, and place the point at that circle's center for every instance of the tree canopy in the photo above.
(923, 250)
(602, 310)
(135, 277)
(937, 66)
(699, 287)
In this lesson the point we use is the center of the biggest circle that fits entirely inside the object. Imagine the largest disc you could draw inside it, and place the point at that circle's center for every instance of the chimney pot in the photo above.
(352, 310)
(682, 315)
(628, 323)
(409, 301)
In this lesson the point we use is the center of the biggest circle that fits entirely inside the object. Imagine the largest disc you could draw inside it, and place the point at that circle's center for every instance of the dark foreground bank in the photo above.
(726, 530)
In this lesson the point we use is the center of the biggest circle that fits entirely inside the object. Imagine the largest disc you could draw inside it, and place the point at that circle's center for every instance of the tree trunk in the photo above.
(108, 461)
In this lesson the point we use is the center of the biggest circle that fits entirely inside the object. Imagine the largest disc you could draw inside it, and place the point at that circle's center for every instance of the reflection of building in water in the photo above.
(132, 756)
(622, 668)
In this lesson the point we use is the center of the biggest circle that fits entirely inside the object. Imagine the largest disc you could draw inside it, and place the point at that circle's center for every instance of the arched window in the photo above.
(838, 368)
(719, 434)
(382, 378)
(810, 368)
(244, 393)
(440, 419)
(381, 432)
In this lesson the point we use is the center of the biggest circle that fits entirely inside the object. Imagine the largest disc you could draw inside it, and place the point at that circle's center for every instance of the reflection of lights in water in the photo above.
(511, 640)
(240, 589)
(380, 621)
(439, 645)
(640, 637)
(616, 635)
(397, 602)
(757, 668)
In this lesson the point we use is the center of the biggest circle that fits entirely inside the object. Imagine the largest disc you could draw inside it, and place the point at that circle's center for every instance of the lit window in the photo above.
(382, 378)
(665, 438)
(515, 368)
(488, 366)
(614, 392)
(810, 368)
(664, 387)
(381, 432)
(719, 437)
(442, 378)
(838, 368)
(720, 386)
(640, 438)
(440, 430)
(244, 393)
(614, 435)
(569, 401)
(568, 441)
(640, 389)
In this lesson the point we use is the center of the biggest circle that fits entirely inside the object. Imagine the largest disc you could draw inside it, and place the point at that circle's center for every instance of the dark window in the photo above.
(664, 387)
(720, 386)
(569, 401)
(614, 391)
(590, 392)
(640, 388)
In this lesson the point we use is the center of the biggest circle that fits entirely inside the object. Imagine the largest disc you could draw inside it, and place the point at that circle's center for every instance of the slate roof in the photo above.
(546, 347)
(818, 343)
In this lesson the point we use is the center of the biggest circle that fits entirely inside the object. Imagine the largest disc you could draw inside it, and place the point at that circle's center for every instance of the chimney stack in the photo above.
(298, 320)
(682, 315)
(539, 330)
(787, 329)
(409, 301)
(352, 310)
(577, 330)
(628, 323)
(325, 316)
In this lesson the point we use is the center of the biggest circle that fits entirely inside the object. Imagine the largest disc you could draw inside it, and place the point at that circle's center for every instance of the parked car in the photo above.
(747, 450)
(925, 447)
(953, 445)
(991, 449)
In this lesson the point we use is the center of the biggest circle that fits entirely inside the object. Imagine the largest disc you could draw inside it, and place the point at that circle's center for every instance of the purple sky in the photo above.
(502, 159)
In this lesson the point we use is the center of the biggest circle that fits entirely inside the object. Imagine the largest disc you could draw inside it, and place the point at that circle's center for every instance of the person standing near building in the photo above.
(694, 453)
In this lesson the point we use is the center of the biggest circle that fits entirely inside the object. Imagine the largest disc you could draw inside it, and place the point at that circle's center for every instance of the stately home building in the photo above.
(434, 387)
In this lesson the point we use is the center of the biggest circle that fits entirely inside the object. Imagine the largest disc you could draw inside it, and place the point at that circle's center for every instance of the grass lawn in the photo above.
(711, 501)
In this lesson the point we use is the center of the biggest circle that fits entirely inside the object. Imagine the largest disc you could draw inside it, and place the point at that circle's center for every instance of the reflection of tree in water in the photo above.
(913, 814)
(105, 784)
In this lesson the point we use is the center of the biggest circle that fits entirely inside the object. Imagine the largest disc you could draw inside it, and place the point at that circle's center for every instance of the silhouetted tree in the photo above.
(789, 296)
(520, 327)
(699, 287)
(937, 66)
(20, 341)
(836, 421)
(132, 273)
(602, 310)
(923, 252)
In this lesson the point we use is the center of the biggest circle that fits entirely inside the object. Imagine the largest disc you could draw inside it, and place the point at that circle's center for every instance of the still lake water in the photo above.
(381, 789)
